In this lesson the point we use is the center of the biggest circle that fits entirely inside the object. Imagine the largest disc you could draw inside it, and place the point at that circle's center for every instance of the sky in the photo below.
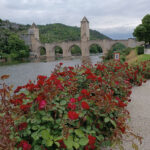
(114, 18)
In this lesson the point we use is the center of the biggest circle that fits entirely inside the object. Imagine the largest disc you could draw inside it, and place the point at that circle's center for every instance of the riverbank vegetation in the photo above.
(118, 48)
(82, 107)
(130, 55)
(11, 46)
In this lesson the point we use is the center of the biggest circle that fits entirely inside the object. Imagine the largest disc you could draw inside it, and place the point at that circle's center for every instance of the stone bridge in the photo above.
(84, 44)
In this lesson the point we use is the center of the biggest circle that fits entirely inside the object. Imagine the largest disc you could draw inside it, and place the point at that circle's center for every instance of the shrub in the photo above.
(140, 50)
(75, 108)
(109, 55)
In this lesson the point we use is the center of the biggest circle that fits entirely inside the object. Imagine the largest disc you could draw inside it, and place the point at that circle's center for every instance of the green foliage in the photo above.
(12, 46)
(140, 50)
(75, 50)
(109, 55)
(142, 31)
(58, 50)
(94, 48)
(59, 32)
(118, 47)
(42, 51)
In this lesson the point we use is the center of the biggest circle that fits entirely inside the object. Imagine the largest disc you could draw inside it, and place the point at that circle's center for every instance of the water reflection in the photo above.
(21, 73)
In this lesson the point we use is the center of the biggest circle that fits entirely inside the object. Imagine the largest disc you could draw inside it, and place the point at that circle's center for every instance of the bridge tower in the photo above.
(33, 30)
(85, 36)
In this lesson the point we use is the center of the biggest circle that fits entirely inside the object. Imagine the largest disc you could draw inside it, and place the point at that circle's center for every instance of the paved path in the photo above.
(139, 109)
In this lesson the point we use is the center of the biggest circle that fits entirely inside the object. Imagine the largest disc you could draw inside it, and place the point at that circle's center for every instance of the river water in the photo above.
(20, 74)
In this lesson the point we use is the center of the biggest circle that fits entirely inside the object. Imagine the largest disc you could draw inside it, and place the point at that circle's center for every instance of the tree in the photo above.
(142, 31)
(17, 47)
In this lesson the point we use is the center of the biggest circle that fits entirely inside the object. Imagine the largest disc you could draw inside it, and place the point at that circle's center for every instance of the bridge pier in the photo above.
(85, 48)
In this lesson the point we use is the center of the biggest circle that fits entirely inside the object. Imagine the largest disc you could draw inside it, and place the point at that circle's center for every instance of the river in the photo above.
(20, 74)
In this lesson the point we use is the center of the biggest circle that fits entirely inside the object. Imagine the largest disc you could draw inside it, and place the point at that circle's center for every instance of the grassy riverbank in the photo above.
(134, 58)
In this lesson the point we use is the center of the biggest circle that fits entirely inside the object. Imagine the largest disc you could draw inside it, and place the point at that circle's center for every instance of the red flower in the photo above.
(71, 68)
(42, 104)
(72, 100)
(84, 92)
(123, 129)
(60, 63)
(22, 126)
(120, 103)
(92, 139)
(99, 79)
(116, 82)
(73, 115)
(85, 105)
(26, 107)
(71, 106)
(62, 145)
(80, 98)
(25, 145)
(40, 77)
(18, 89)
(16, 101)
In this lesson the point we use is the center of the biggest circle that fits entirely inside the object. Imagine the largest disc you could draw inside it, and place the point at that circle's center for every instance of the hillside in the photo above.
(60, 32)
(51, 32)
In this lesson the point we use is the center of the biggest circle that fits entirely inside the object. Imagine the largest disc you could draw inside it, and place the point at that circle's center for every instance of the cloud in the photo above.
(107, 15)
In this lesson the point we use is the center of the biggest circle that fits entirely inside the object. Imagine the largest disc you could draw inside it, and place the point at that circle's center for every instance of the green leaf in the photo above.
(63, 102)
(79, 133)
(49, 143)
(35, 136)
(69, 142)
(113, 123)
(76, 145)
(83, 141)
(106, 119)
(35, 127)
(57, 143)
(45, 134)
(36, 147)
(57, 138)
(100, 137)
(47, 118)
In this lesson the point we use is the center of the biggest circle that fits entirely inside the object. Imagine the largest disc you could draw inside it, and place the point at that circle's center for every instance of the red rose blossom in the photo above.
(80, 98)
(22, 126)
(85, 105)
(72, 100)
(71, 106)
(60, 63)
(42, 104)
(26, 107)
(62, 145)
(73, 115)
(92, 139)
(25, 145)
(84, 92)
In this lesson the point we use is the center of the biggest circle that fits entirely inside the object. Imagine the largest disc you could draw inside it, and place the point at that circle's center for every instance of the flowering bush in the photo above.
(75, 108)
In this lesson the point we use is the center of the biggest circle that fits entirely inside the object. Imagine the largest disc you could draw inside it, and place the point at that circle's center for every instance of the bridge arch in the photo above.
(57, 50)
(95, 48)
(118, 46)
(75, 50)
(41, 50)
